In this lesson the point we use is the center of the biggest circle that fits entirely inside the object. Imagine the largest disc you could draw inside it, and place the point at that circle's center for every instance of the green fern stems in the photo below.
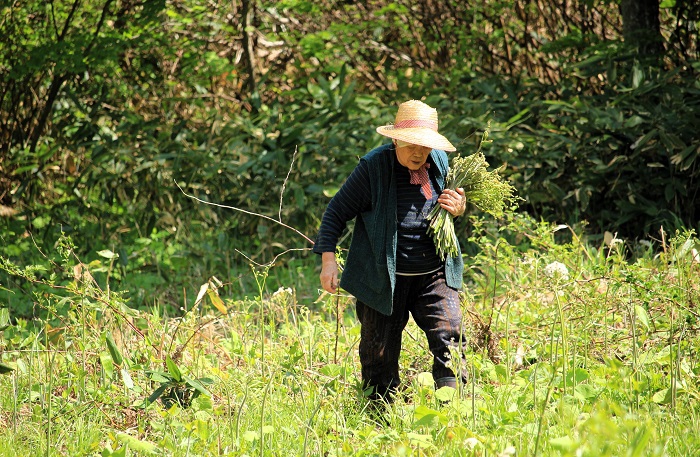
(486, 190)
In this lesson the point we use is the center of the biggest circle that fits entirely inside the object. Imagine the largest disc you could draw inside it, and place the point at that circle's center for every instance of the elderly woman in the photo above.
(392, 267)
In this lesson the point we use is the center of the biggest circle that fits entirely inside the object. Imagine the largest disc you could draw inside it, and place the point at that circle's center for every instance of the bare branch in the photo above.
(272, 262)
(246, 212)
(284, 184)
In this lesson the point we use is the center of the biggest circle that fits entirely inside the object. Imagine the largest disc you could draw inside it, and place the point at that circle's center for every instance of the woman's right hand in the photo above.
(329, 272)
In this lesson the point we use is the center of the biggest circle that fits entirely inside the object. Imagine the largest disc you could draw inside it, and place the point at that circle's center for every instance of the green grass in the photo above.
(599, 359)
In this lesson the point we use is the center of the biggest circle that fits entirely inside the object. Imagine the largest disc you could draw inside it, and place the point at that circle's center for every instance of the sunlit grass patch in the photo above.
(576, 348)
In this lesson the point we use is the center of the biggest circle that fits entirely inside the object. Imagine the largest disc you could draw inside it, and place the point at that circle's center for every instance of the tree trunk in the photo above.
(641, 27)
(247, 13)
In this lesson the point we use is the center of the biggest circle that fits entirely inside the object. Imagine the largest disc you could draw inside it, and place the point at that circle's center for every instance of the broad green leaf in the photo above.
(420, 439)
(157, 393)
(251, 436)
(21, 366)
(585, 392)
(428, 416)
(642, 140)
(637, 76)
(113, 349)
(5, 368)
(107, 363)
(520, 117)
(315, 91)
(4, 318)
(662, 397)
(173, 369)
(137, 444)
(332, 370)
(642, 316)
(203, 403)
(425, 379)
(121, 452)
(126, 378)
(685, 249)
(563, 444)
(577, 375)
(107, 254)
(196, 385)
(159, 376)
(347, 95)
(445, 393)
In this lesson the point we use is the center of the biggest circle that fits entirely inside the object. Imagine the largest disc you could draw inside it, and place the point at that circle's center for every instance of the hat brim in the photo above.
(420, 136)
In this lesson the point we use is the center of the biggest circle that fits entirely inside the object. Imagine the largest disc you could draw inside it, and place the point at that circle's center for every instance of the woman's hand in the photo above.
(329, 272)
(453, 201)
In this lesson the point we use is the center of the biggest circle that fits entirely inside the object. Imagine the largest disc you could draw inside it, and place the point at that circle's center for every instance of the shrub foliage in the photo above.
(106, 105)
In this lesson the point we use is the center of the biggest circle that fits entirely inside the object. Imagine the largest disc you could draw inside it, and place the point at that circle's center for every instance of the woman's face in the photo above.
(411, 156)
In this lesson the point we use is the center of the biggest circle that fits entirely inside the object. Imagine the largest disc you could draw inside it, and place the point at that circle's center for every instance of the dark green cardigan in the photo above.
(370, 268)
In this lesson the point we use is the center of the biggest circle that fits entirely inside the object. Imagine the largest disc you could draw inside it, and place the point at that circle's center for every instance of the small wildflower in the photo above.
(282, 291)
(611, 240)
(557, 270)
(519, 354)
(471, 443)
(448, 360)
(510, 450)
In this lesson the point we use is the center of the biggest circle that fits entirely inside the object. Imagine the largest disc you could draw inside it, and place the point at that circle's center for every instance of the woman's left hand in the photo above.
(453, 201)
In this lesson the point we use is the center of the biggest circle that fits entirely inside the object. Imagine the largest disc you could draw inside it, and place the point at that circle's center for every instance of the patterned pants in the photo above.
(436, 309)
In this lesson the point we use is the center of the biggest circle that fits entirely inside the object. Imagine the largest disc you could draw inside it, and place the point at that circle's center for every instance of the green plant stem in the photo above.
(240, 412)
(337, 325)
(635, 350)
(260, 279)
(262, 415)
(564, 342)
(47, 394)
(544, 408)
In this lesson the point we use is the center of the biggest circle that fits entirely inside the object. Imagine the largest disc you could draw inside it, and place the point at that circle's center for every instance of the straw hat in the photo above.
(417, 123)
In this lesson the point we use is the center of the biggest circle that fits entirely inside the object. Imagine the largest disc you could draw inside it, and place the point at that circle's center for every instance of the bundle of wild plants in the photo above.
(486, 190)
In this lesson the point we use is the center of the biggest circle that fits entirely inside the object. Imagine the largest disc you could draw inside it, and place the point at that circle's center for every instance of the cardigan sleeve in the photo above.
(352, 199)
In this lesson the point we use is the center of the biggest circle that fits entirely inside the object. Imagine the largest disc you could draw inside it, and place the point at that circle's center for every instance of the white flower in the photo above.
(557, 270)
(282, 291)
(510, 450)
(448, 360)
(610, 239)
(471, 443)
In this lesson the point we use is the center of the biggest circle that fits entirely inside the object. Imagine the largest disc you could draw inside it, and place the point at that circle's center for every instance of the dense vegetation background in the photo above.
(137, 320)
(106, 105)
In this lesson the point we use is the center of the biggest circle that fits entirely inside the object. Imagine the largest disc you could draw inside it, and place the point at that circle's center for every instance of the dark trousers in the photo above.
(436, 309)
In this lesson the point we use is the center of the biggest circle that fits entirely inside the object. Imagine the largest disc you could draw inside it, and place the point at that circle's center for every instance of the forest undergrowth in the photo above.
(576, 348)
